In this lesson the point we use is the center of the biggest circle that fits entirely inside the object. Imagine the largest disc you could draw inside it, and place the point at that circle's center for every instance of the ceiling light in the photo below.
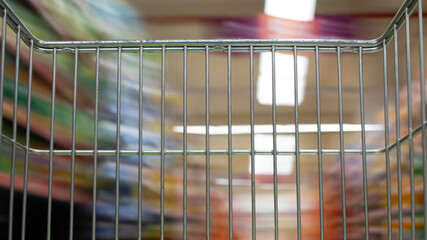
(280, 128)
(284, 68)
(264, 163)
(299, 10)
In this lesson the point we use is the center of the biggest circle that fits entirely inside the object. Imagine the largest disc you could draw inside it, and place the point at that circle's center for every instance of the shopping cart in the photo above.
(250, 47)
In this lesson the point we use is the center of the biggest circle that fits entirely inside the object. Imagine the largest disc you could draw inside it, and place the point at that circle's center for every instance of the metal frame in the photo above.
(250, 46)
(309, 152)
(254, 45)
(324, 45)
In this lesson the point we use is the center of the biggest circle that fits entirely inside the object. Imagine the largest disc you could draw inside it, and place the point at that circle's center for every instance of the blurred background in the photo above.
(211, 19)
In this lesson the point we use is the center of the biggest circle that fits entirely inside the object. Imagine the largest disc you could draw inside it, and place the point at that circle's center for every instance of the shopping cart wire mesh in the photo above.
(207, 47)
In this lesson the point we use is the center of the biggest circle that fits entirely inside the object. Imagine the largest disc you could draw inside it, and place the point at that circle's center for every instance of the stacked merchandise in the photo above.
(377, 181)
(86, 20)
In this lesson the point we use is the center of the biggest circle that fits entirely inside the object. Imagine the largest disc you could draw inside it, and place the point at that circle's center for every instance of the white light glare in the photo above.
(299, 10)
(264, 164)
(280, 128)
(284, 68)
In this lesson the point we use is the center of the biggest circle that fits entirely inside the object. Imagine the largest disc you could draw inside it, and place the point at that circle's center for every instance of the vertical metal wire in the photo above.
(230, 149)
(252, 132)
(423, 109)
(3, 53)
(319, 143)
(73, 144)
(273, 89)
(251, 65)
(27, 142)
(207, 146)
(52, 122)
(140, 130)
(162, 150)
(340, 107)
(185, 145)
(297, 150)
(95, 147)
(411, 142)
(386, 137)
(399, 169)
(119, 92)
(15, 125)
(362, 123)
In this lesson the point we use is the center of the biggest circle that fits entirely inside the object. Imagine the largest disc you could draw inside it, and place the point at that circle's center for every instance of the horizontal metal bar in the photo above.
(35, 151)
(190, 48)
(199, 152)
(372, 45)
(214, 48)
(202, 152)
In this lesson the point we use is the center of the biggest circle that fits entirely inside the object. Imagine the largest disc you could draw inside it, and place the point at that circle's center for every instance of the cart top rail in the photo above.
(324, 45)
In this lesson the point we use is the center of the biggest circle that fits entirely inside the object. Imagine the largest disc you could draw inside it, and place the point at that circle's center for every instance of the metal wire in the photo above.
(52, 122)
(184, 135)
(362, 123)
(73, 143)
(140, 130)
(3, 49)
(359, 47)
(297, 148)
(207, 145)
(119, 92)
(251, 67)
(15, 125)
(397, 105)
(319, 144)
(162, 150)
(303, 152)
(423, 108)
(328, 45)
(386, 137)
(230, 148)
(27, 143)
(273, 89)
(95, 145)
(411, 143)
(341, 152)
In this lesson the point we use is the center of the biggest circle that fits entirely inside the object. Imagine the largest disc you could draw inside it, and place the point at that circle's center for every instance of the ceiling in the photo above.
(215, 8)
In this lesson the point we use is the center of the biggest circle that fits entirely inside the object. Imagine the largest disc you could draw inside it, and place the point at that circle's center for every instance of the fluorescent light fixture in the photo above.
(247, 182)
(285, 93)
(238, 182)
(280, 128)
(299, 10)
(264, 164)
